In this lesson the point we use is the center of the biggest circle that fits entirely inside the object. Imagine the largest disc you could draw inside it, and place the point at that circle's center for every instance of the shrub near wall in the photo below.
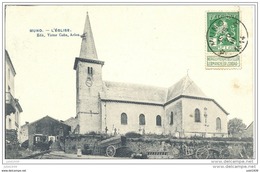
(87, 143)
(13, 150)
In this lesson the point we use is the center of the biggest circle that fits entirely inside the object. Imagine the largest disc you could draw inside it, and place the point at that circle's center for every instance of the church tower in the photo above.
(88, 83)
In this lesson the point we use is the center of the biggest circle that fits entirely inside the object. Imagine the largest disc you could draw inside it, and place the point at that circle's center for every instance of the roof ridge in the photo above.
(136, 84)
(182, 86)
(43, 118)
(185, 88)
(249, 125)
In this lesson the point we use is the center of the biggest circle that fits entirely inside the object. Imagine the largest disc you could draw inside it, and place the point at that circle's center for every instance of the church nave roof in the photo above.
(150, 94)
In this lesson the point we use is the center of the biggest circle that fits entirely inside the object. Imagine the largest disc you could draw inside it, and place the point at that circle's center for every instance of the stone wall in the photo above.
(73, 123)
(88, 103)
(187, 148)
(87, 143)
(23, 133)
(218, 148)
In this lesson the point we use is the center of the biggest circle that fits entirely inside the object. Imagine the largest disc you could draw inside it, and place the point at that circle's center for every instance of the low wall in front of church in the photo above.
(176, 148)
(187, 148)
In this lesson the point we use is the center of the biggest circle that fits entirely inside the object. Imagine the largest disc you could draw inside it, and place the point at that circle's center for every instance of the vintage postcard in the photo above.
(130, 83)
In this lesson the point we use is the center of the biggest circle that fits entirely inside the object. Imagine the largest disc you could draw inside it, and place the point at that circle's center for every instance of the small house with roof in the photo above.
(43, 130)
(181, 110)
(249, 131)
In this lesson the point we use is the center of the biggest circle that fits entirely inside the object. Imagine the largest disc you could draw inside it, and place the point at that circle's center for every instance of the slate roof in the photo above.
(88, 49)
(133, 92)
(47, 117)
(149, 94)
(184, 87)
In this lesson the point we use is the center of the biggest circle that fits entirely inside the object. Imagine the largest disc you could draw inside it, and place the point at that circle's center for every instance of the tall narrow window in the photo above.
(90, 70)
(197, 115)
(123, 119)
(218, 123)
(141, 119)
(171, 119)
(158, 120)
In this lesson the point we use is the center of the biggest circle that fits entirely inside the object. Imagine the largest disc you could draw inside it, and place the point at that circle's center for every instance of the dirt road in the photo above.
(63, 155)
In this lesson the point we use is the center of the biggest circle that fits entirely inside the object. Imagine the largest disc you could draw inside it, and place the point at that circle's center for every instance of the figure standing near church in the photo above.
(115, 133)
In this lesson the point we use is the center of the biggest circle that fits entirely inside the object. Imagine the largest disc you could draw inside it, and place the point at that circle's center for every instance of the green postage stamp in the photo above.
(226, 40)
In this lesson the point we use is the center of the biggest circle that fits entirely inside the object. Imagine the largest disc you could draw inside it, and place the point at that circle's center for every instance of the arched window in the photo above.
(141, 119)
(158, 120)
(171, 118)
(123, 118)
(197, 115)
(218, 123)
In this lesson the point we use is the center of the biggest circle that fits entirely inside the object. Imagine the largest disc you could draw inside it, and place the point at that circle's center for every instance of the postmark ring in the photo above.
(222, 33)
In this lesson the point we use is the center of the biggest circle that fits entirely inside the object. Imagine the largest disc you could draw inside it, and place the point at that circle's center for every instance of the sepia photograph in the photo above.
(137, 83)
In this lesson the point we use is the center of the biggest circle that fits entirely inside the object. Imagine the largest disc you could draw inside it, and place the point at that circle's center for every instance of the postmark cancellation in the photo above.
(226, 39)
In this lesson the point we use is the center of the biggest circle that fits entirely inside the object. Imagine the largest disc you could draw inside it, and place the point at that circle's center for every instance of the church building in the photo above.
(181, 110)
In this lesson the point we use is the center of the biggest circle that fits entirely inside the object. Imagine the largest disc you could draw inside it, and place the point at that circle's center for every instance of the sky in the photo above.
(151, 45)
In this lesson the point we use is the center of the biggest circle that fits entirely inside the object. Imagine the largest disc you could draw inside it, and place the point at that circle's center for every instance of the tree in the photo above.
(236, 127)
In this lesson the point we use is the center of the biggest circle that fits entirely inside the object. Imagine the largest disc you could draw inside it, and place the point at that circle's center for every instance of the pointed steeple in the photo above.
(88, 49)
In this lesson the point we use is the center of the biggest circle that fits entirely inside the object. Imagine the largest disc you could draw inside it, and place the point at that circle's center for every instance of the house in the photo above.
(13, 108)
(44, 130)
(73, 123)
(24, 132)
(249, 131)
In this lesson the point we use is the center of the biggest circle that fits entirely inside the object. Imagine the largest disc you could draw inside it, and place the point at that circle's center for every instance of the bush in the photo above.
(92, 133)
(86, 150)
(25, 144)
(124, 152)
(133, 135)
(198, 138)
(73, 147)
